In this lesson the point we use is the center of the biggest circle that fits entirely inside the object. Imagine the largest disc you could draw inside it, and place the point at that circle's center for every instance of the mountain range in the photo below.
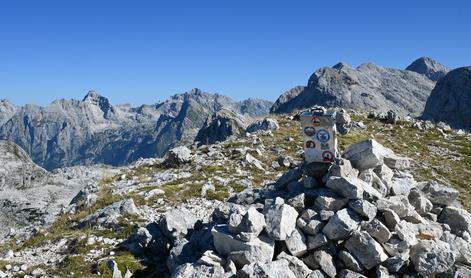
(93, 130)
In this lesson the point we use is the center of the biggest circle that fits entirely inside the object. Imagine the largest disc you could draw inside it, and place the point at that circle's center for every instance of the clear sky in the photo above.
(144, 51)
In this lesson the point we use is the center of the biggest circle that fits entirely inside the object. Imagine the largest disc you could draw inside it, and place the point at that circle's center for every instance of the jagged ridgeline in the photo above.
(91, 131)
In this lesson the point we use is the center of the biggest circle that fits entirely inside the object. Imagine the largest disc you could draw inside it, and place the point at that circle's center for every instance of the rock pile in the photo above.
(365, 216)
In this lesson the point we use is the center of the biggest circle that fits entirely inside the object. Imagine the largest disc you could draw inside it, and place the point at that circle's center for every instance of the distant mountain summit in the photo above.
(367, 87)
(74, 132)
(450, 100)
(428, 67)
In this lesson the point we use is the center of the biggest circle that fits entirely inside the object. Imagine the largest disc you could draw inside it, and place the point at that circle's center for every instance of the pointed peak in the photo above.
(92, 95)
(342, 65)
(428, 67)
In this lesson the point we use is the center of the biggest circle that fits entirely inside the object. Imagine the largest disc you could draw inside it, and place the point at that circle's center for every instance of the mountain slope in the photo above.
(72, 132)
(450, 100)
(367, 87)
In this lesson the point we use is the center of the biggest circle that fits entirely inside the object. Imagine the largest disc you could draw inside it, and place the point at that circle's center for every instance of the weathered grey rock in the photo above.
(364, 208)
(348, 187)
(210, 258)
(428, 67)
(253, 161)
(330, 203)
(394, 264)
(402, 184)
(296, 243)
(431, 257)
(314, 242)
(366, 154)
(459, 220)
(325, 215)
(189, 270)
(252, 224)
(177, 222)
(377, 230)
(290, 176)
(370, 177)
(323, 260)
(265, 124)
(346, 273)
(297, 202)
(260, 249)
(297, 266)
(316, 274)
(109, 216)
(366, 87)
(310, 226)
(280, 220)
(349, 261)
(365, 249)
(276, 269)
(396, 162)
(178, 156)
(343, 168)
(449, 101)
(341, 224)
(439, 194)
(418, 200)
(391, 218)
(399, 204)
(459, 246)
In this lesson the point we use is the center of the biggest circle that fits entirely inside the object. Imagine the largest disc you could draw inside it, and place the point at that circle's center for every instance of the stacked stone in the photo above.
(365, 216)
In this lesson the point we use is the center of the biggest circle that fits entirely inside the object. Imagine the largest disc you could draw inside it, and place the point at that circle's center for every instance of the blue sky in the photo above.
(144, 51)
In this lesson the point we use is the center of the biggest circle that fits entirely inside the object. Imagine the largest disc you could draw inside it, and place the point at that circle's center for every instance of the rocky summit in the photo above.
(73, 132)
(428, 67)
(249, 206)
(368, 87)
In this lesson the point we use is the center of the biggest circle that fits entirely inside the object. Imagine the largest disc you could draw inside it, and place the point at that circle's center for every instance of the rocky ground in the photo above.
(249, 207)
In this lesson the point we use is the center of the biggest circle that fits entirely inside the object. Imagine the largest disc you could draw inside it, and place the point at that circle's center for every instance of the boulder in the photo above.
(280, 220)
(377, 230)
(296, 243)
(252, 224)
(189, 270)
(323, 260)
(276, 269)
(430, 257)
(260, 249)
(366, 154)
(314, 242)
(418, 200)
(346, 273)
(439, 194)
(364, 208)
(349, 261)
(458, 219)
(109, 217)
(178, 156)
(297, 266)
(263, 125)
(177, 221)
(341, 224)
(290, 176)
(365, 249)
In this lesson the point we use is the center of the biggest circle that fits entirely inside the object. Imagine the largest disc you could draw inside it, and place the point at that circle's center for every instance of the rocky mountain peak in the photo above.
(342, 65)
(428, 67)
(96, 99)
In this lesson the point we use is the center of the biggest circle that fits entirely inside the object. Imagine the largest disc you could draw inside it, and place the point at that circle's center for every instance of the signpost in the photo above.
(320, 135)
